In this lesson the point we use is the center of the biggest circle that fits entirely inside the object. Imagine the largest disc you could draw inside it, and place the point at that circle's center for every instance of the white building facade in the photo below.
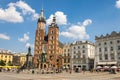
(107, 52)
(82, 55)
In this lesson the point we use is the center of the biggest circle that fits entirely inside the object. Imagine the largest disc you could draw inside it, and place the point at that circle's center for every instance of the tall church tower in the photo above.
(39, 38)
(53, 41)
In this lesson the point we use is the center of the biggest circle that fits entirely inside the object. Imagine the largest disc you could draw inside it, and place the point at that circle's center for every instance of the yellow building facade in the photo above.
(22, 59)
(19, 59)
(6, 56)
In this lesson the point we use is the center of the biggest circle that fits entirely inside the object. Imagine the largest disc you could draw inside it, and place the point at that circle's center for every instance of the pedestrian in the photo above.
(83, 71)
(70, 71)
(32, 71)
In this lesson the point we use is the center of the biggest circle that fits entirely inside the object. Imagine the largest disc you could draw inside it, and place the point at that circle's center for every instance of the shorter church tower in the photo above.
(53, 41)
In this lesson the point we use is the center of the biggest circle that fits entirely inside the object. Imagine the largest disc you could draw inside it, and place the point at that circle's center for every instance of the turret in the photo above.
(54, 24)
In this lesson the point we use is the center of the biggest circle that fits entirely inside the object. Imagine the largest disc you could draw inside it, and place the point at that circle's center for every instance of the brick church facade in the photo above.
(48, 49)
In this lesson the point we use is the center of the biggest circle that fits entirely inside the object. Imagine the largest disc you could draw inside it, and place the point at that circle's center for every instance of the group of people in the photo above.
(8, 69)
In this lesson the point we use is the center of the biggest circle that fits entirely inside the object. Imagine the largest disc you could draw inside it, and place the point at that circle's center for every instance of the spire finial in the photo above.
(42, 9)
(42, 6)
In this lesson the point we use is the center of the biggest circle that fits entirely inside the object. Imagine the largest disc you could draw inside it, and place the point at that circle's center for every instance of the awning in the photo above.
(9, 66)
(106, 63)
(114, 67)
(98, 67)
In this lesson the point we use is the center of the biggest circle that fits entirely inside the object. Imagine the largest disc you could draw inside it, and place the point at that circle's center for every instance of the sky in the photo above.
(77, 20)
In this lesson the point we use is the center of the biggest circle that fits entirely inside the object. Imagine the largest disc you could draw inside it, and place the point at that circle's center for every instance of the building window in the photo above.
(83, 46)
(78, 51)
(52, 42)
(74, 47)
(118, 47)
(106, 56)
(110, 42)
(78, 47)
(52, 32)
(68, 54)
(112, 56)
(68, 60)
(118, 41)
(100, 56)
(74, 52)
(52, 37)
(51, 52)
(64, 54)
(64, 50)
(105, 48)
(64, 60)
(68, 50)
(74, 57)
(105, 43)
(99, 49)
(111, 48)
(118, 54)
(84, 61)
(51, 46)
(99, 44)
(83, 56)
(83, 51)
(5, 56)
(78, 56)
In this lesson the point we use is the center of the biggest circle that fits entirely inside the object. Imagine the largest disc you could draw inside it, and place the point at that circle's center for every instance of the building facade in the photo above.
(19, 59)
(82, 55)
(22, 59)
(6, 56)
(107, 52)
(67, 56)
(48, 49)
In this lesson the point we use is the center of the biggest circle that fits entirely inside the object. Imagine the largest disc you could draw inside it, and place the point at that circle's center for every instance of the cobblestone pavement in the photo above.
(60, 76)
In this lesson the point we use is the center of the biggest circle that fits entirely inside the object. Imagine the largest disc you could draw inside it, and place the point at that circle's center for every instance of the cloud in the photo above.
(29, 45)
(3, 36)
(25, 38)
(61, 18)
(15, 11)
(26, 9)
(87, 22)
(11, 15)
(118, 4)
(77, 32)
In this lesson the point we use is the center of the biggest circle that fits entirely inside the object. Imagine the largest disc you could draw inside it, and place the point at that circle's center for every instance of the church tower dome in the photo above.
(42, 17)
